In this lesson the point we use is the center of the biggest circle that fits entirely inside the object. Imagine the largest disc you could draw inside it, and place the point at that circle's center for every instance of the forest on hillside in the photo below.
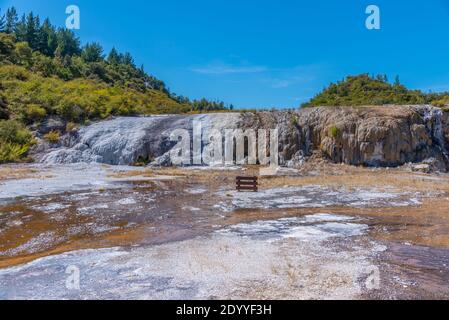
(365, 90)
(50, 52)
(45, 71)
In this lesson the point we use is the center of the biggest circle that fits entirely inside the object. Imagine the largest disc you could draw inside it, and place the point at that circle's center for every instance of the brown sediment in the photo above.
(198, 175)
(408, 224)
(146, 228)
(397, 180)
(109, 240)
(426, 224)
(326, 174)
(15, 172)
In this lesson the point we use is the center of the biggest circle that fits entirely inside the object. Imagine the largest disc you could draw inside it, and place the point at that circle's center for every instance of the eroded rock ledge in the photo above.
(371, 136)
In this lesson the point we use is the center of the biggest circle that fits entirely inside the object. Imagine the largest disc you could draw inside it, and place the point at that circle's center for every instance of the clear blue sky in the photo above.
(258, 53)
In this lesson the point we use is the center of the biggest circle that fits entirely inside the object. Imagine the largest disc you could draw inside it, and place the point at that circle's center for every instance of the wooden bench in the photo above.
(247, 184)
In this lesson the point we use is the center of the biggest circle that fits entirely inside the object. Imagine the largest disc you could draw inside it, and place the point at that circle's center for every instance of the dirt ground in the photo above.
(404, 212)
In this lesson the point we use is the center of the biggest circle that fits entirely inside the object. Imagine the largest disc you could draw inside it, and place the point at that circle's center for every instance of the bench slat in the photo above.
(247, 189)
(247, 184)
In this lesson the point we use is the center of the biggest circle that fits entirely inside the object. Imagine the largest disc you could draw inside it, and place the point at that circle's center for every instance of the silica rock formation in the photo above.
(369, 136)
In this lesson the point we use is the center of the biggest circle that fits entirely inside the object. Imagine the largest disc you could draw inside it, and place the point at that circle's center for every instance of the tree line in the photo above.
(365, 90)
(63, 56)
(46, 72)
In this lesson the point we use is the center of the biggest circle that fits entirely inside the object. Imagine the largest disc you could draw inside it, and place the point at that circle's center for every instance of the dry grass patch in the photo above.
(11, 172)
(326, 175)
(150, 173)
(401, 181)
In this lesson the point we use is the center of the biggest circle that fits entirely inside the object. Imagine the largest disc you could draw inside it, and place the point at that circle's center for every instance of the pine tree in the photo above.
(92, 52)
(68, 43)
(11, 20)
(2, 23)
(114, 57)
(142, 71)
(32, 29)
(37, 28)
(128, 59)
(48, 41)
(21, 29)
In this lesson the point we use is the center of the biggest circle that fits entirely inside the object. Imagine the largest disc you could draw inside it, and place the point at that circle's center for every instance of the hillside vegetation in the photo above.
(44, 71)
(364, 90)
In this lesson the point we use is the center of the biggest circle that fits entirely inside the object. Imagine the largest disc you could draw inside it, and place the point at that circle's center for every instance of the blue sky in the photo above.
(258, 53)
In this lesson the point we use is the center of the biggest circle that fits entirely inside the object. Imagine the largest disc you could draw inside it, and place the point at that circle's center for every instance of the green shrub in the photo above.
(23, 54)
(295, 121)
(6, 44)
(11, 72)
(35, 113)
(334, 132)
(10, 152)
(15, 141)
(442, 102)
(71, 126)
(52, 137)
(14, 132)
(439, 103)
(4, 112)
(143, 161)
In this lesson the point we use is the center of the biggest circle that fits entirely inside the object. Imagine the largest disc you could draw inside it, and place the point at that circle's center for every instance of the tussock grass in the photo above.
(12, 172)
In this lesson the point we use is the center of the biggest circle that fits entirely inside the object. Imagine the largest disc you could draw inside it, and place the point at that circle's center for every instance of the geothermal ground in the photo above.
(322, 232)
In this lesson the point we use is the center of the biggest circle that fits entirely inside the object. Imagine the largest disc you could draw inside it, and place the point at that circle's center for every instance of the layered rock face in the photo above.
(370, 136)
(126, 140)
(378, 136)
